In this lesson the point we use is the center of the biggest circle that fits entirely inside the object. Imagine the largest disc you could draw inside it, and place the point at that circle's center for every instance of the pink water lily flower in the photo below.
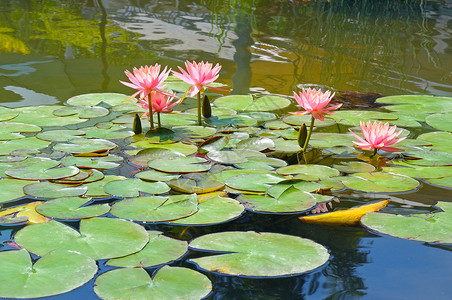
(314, 101)
(160, 103)
(198, 76)
(378, 136)
(146, 79)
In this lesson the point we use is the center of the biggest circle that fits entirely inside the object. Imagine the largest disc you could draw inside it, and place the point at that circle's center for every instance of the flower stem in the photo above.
(199, 108)
(309, 134)
(158, 119)
(151, 117)
(375, 152)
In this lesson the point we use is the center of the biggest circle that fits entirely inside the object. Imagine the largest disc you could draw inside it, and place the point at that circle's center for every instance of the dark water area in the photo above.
(53, 50)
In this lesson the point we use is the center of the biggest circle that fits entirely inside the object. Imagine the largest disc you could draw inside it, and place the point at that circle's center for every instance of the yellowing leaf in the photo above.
(348, 217)
(26, 211)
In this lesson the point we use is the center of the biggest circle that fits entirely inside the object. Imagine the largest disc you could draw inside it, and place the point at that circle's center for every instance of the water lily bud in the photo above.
(302, 135)
(137, 125)
(206, 109)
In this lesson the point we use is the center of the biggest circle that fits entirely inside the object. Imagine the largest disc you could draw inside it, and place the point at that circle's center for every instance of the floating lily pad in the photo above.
(308, 172)
(260, 116)
(354, 167)
(180, 164)
(231, 121)
(160, 249)
(83, 112)
(262, 163)
(253, 182)
(132, 187)
(277, 254)
(96, 98)
(12, 189)
(440, 140)
(85, 176)
(201, 185)
(428, 157)
(153, 175)
(228, 157)
(144, 156)
(185, 149)
(27, 211)
(113, 132)
(155, 208)
(213, 211)
(445, 182)
(215, 143)
(432, 228)
(247, 103)
(286, 146)
(99, 238)
(256, 143)
(413, 99)
(441, 121)
(100, 163)
(178, 119)
(29, 143)
(37, 168)
(420, 171)
(61, 135)
(55, 273)
(47, 189)
(82, 146)
(7, 114)
(353, 117)
(194, 132)
(12, 220)
(228, 173)
(278, 189)
(96, 188)
(291, 200)
(168, 283)
(380, 182)
(10, 131)
(71, 208)
(326, 139)
(298, 120)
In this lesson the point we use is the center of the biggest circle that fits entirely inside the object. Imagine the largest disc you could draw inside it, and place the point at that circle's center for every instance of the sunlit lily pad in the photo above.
(47, 189)
(96, 188)
(433, 228)
(144, 156)
(156, 208)
(298, 120)
(213, 211)
(43, 116)
(82, 145)
(99, 238)
(440, 140)
(168, 283)
(83, 112)
(180, 164)
(37, 168)
(253, 254)
(132, 187)
(228, 173)
(262, 163)
(61, 135)
(256, 143)
(428, 157)
(441, 121)
(445, 182)
(113, 132)
(27, 211)
(71, 208)
(380, 182)
(12, 189)
(354, 167)
(153, 175)
(260, 116)
(278, 189)
(231, 121)
(194, 132)
(253, 182)
(288, 146)
(11, 131)
(247, 103)
(420, 171)
(96, 98)
(327, 139)
(160, 249)
(353, 117)
(7, 114)
(100, 163)
(291, 200)
(55, 273)
(179, 119)
(185, 149)
(308, 172)
(29, 143)
(93, 175)
(202, 185)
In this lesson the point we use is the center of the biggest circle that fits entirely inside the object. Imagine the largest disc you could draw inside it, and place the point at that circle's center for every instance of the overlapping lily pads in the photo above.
(71, 208)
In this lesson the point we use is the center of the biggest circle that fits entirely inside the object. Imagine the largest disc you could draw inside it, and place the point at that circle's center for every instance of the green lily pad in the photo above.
(413, 99)
(228, 173)
(253, 254)
(47, 189)
(13, 220)
(155, 208)
(235, 102)
(168, 283)
(256, 143)
(215, 143)
(12, 189)
(157, 136)
(298, 120)
(441, 121)
(185, 149)
(231, 121)
(43, 116)
(262, 163)
(144, 156)
(96, 188)
(113, 132)
(380, 182)
(37, 168)
(276, 125)
(7, 114)
(132, 187)
(227, 157)
(55, 273)
(431, 228)
(180, 119)
(28, 143)
(440, 140)
(247, 103)
(278, 189)
(160, 249)
(10, 131)
(96, 98)
(194, 132)
(71, 208)
(407, 120)
(308, 172)
(85, 176)
(286, 146)
(153, 175)
(61, 135)
(445, 182)
(420, 171)
(353, 117)
(202, 185)
(354, 167)
(326, 139)
(99, 238)
(253, 182)
(180, 164)
(213, 211)
(428, 157)
(260, 116)
(291, 200)
(82, 146)
(100, 163)
(83, 112)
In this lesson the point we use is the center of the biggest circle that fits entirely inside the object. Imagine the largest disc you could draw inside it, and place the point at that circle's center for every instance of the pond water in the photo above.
(53, 50)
